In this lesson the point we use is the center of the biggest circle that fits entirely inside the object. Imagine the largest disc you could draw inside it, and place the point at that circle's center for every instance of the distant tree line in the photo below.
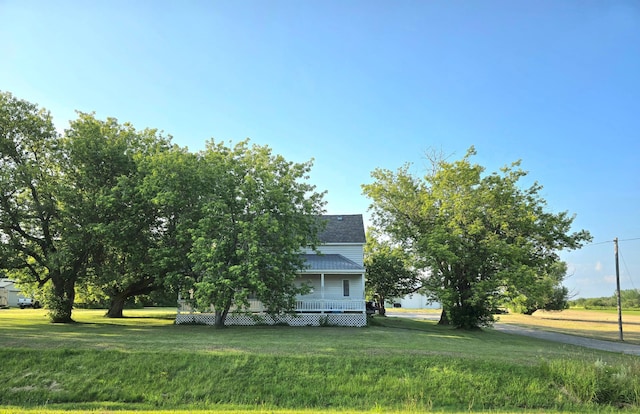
(630, 299)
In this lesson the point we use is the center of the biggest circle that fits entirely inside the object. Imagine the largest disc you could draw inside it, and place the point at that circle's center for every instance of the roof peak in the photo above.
(343, 228)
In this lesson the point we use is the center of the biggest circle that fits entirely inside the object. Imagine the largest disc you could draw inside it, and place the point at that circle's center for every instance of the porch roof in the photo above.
(331, 262)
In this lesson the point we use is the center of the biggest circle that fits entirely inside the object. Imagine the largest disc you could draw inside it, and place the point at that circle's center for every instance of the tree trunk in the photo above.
(444, 319)
(381, 309)
(221, 316)
(61, 304)
(119, 298)
(117, 305)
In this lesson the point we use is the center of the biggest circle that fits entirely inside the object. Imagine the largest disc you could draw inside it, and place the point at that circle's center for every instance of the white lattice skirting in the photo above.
(315, 319)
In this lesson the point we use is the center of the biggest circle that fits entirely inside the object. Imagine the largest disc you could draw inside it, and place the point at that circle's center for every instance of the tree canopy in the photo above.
(106, 162)
(41, 240)
(484, 239)
(258, 214)
(118, 212)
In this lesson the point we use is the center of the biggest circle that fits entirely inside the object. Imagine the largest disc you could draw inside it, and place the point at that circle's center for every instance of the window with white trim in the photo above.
(345, 287)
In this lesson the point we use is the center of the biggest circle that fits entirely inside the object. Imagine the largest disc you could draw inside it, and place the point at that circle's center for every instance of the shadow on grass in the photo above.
(426, 326)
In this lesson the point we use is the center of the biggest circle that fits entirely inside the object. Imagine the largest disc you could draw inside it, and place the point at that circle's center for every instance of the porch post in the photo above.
(322, 292)
(179, 303)
(364, 295)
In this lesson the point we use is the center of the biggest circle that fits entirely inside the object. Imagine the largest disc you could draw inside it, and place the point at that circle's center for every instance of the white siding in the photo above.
(416, 301)
(353, 252)
(332, 286)
(314, 282)
(10, 293)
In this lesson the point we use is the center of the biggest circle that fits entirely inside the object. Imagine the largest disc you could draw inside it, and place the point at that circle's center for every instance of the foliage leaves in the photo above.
(105, 160)
(115, 212)
(390, 272)
(629, 299)
(484, 239)
(38, 240)
(257, 215)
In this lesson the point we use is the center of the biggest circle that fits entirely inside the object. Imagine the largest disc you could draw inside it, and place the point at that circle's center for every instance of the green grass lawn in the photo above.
(144, 362)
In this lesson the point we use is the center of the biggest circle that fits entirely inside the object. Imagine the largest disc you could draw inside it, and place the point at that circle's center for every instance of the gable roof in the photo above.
(6, 283)
(316, 262)
(343, 229)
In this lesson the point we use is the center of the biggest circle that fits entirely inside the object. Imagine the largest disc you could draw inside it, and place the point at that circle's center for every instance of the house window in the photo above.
(345, 287)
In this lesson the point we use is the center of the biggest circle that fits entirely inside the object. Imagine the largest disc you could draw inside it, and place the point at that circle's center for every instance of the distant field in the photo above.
(599, 324)
(145, 363)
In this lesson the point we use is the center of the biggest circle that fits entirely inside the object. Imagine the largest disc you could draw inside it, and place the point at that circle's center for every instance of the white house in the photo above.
(336, 277)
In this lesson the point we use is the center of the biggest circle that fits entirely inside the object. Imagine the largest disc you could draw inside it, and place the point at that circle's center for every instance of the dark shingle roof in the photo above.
(329, 262)
(343, 229)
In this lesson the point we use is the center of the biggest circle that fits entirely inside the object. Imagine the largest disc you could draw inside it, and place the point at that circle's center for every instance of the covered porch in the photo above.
(336, 297)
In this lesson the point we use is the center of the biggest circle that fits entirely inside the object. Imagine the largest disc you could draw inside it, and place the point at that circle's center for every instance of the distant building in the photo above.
(9, 293)
(415, 301)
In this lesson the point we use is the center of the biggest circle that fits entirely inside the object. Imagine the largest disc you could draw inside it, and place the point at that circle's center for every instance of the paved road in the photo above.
(536, 333)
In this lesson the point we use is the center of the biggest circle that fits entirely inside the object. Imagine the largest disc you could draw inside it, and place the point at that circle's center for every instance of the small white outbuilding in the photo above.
(9, 293)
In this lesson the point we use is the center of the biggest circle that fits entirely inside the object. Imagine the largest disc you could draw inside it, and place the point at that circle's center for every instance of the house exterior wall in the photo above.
(416, 301)
(353, 252)
(9, 293)
(13, 297)
(312, 281)
(3, 297)
(333, 286)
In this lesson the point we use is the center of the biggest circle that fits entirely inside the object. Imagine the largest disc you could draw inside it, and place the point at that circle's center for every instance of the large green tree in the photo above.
(258, 214)
(481, 235)
(41, 240)
(106, 161)
(74, 210)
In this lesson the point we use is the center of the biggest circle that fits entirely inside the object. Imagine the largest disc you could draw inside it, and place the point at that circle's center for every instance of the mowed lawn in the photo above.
(145, 363)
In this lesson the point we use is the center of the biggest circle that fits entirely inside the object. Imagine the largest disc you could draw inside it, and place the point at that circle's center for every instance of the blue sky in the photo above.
(363, 84)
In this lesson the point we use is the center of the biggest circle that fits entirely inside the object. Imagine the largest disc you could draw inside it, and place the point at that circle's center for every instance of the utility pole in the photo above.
(615, 244)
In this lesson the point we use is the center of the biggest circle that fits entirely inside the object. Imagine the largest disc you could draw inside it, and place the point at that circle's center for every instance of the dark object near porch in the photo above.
(371, 308)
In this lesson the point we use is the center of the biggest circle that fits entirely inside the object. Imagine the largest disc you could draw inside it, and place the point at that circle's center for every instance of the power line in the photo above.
(627, 269)
(595, 244)
(610, 241)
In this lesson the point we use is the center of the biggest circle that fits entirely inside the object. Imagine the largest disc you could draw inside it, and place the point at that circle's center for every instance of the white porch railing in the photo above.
(330, 305)
(302, 306)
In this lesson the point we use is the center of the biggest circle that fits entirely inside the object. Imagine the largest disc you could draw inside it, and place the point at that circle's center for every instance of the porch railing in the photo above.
(302, 306)
(330, 305)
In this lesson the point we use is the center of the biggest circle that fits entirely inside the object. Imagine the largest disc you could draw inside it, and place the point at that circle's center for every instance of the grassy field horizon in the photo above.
(590, 323)
(145, 363)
